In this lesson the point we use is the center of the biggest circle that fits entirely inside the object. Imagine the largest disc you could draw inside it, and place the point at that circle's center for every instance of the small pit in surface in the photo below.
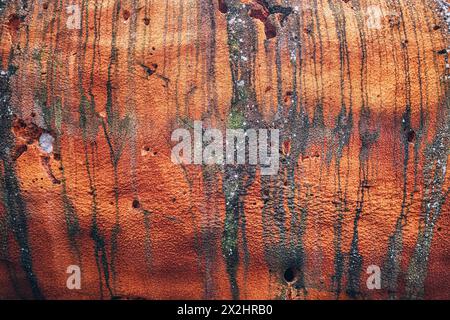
(289, 275)
(136, 204)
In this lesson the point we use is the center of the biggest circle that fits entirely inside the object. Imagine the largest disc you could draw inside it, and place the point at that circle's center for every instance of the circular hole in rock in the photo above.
(289, 275)
(136, 204)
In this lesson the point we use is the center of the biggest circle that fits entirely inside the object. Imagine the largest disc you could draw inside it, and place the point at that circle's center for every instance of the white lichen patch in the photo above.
(46, 142)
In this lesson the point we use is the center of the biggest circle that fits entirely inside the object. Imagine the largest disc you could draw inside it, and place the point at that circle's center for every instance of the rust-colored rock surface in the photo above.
(91, 92)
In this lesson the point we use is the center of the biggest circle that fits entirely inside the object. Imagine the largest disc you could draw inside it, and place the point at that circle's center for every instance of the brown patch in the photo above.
(223, 6)
(287, 147)
(19, 150)
(14, 22)
(29, 132)
(258, 11)
(270, 30)
(126, 14)
(411, 135)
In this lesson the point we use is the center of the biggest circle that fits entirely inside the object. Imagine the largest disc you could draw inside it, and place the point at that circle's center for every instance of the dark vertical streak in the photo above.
(15, 205)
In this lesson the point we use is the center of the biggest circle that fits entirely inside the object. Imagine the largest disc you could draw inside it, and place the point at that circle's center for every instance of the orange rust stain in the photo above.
(113, 110)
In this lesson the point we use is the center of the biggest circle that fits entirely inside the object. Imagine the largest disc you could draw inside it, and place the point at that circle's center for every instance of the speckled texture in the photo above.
(358, 89)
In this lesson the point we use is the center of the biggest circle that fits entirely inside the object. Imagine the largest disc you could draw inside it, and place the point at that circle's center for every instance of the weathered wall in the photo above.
(358, 88)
